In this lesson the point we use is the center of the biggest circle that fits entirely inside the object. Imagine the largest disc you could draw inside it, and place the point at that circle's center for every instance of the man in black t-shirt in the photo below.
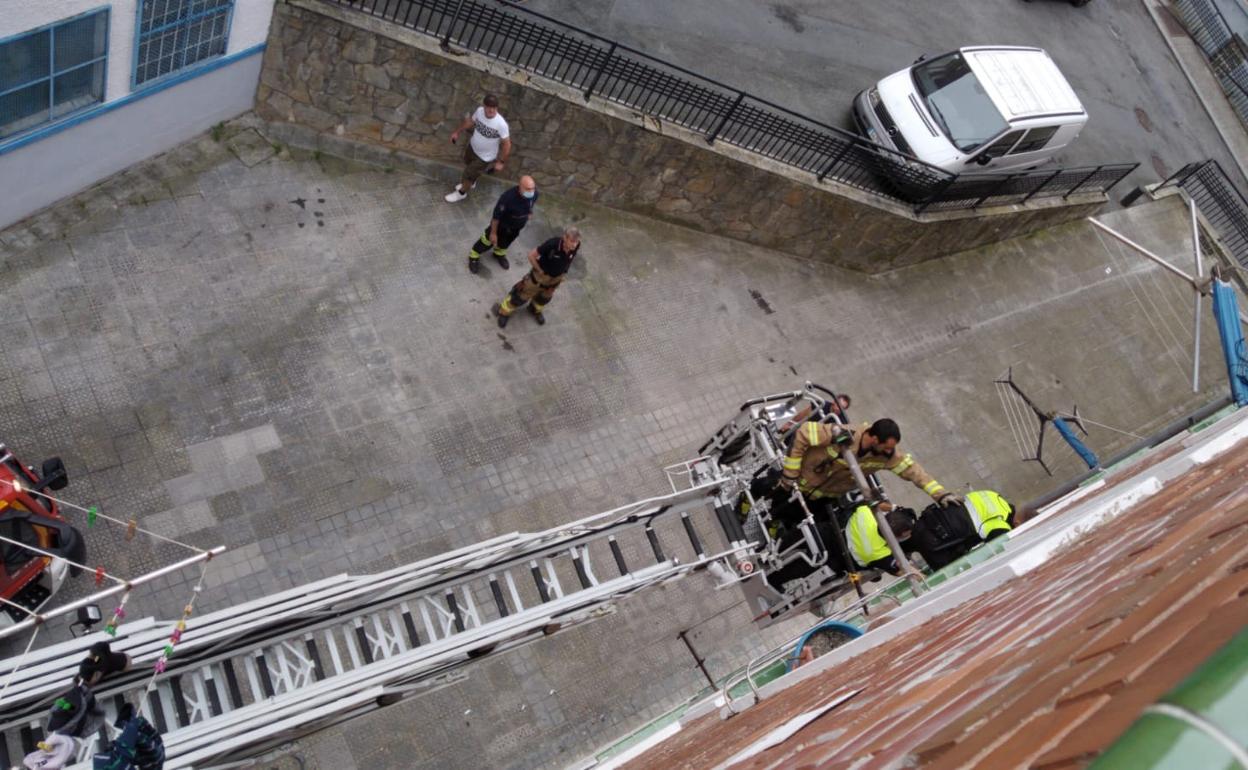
(511, 214)
(549, 264)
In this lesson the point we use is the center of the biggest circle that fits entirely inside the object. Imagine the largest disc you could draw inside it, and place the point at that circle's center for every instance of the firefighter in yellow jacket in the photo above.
(816, 467)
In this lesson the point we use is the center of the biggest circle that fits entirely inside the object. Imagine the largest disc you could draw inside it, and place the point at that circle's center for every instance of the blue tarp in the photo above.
(1226, 314)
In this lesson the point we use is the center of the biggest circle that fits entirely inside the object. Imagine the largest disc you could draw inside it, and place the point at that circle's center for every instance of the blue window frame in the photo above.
(53, 71)
(176, 34)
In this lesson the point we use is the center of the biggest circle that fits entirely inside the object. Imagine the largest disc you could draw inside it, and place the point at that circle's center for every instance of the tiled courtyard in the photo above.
(246, 344)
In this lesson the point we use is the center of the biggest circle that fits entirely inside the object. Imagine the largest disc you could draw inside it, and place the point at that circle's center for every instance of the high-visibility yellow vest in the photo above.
(988, 512)
(866, 544)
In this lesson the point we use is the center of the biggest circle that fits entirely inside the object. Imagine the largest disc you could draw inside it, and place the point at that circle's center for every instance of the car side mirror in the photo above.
(984, 160)
(920, 59)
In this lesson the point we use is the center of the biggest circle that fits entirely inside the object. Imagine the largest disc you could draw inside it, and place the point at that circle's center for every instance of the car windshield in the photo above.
(957, 101)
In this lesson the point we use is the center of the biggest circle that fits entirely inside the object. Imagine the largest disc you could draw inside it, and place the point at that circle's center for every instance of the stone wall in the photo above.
(348, 75)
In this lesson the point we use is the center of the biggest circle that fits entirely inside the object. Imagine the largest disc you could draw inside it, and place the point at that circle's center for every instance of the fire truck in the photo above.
(36, 542)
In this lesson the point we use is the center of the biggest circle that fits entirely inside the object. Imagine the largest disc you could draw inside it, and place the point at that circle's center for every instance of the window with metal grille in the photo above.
(48, 73)
(176, 34)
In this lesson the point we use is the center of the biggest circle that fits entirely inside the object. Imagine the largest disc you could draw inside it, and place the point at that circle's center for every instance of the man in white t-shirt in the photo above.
(488, 149)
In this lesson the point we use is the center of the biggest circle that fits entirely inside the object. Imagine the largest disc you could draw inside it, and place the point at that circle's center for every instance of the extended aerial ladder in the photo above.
(253, 677)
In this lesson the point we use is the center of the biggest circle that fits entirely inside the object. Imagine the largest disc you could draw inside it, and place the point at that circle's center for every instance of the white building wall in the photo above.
(130, 125)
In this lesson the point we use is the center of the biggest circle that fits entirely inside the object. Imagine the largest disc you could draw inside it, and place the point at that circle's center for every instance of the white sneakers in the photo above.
(455, 196)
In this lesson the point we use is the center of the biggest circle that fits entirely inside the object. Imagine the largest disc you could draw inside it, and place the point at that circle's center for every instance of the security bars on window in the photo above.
(176, 34)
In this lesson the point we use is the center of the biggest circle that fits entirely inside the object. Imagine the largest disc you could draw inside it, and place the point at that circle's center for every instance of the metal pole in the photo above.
(868, 493)
(710, 138)
(446, 41)
(1196, 321)
(1150, 255)
(147, 578)
(1146, 253)
(597, 75)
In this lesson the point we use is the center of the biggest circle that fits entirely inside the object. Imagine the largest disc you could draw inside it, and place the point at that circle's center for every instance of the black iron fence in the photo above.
(608, 70)
(1226, 52)
(1219, 201)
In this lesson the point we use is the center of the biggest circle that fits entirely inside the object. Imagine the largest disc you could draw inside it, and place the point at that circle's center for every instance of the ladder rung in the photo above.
(619, 556)
(692, 533)
(539, 581)
(654, 544)
(412, 636)
(499, 601)
(157, 707)
(179, 701)
(361, 639)
(210, 690)
(580, 571)
(231, 683)
(453, 606)
(314, 652)
(262, 669)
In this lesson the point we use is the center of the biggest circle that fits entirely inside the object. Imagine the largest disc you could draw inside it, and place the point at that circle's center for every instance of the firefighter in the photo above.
(511, 214)
(549, 263)
(867, 546)
(944, 534)
(814, 464)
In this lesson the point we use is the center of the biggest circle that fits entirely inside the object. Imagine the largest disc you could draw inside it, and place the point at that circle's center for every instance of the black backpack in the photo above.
(75, 713)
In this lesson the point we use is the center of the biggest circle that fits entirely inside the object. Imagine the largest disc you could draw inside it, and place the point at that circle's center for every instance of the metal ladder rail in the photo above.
(168, 704)
(400, 578)
(561, 613)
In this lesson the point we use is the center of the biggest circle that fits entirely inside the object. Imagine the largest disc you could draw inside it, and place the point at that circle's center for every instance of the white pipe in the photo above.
(142, 579)
(1150, 255)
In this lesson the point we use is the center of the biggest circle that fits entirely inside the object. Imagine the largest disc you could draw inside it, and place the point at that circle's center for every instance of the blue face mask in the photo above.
(528, 193)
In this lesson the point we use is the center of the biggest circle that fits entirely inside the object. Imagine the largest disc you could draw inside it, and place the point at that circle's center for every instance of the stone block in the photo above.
(361, 48)
(313, 117)
(375, 76)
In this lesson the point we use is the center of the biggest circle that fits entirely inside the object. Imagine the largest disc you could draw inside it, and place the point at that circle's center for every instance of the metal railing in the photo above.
(1219, 201)
(1226, 52)
(597, 66)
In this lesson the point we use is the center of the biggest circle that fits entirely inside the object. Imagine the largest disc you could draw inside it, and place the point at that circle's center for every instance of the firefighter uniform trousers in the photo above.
(482, 244)
(535, 286)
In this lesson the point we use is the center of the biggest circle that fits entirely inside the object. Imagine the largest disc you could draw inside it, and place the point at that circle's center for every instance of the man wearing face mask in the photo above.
(814, 464)
(511, 214)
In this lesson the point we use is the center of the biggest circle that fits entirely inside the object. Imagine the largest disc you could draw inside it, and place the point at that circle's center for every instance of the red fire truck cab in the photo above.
(29, 521)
